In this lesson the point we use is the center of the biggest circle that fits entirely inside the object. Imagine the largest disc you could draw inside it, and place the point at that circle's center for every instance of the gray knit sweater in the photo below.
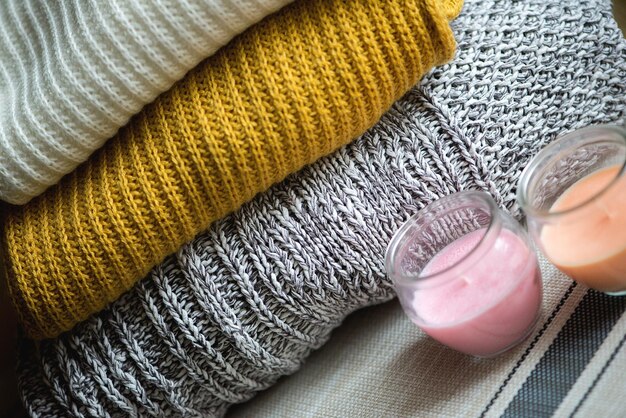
(247, 301)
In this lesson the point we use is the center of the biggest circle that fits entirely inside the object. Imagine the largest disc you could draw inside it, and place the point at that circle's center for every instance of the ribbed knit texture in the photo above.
(293, 88)
(73, 72)
(245, 302)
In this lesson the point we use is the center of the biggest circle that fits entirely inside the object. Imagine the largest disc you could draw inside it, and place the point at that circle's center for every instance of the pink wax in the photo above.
(484, 308)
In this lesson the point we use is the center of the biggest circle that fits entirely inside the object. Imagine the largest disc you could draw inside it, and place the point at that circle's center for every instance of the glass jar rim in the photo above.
(557, 149)
(397, 241)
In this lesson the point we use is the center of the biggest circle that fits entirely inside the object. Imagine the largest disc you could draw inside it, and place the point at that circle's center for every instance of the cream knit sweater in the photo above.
(73, 72)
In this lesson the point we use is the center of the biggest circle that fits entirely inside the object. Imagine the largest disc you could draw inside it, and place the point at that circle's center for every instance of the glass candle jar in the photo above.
(574, 195)
(465, 274)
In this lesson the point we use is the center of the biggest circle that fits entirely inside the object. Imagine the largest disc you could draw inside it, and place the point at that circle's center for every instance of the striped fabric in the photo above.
(380, 364)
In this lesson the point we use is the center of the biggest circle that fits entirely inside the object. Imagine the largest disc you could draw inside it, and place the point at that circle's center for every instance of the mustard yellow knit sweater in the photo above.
(293, 88)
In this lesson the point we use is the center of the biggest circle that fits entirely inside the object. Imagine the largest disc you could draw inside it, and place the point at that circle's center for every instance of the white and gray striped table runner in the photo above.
(379, 364)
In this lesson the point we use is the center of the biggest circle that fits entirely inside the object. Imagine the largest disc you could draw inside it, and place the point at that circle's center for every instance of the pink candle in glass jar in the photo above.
(465, 274)
(489, 306)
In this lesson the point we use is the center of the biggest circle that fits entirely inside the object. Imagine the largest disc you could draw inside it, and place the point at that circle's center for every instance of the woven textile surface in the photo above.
(247, 301)
(293, 88)
(73, 72)
(379, 364)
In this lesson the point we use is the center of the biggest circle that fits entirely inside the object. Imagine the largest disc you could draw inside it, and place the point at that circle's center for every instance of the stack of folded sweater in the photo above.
(201, 131)
(225, 311)
(294, 87)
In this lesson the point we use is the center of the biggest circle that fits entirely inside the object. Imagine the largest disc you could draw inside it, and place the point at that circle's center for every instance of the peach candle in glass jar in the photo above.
(574, 195)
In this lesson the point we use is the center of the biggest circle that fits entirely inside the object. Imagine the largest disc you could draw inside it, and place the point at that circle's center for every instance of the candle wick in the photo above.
(605, 209)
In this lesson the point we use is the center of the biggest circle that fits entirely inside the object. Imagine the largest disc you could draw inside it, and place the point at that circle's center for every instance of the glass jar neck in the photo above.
(536, 177)
(425, 219)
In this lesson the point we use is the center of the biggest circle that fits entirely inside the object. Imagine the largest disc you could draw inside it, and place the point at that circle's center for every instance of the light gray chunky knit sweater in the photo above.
(246, 302)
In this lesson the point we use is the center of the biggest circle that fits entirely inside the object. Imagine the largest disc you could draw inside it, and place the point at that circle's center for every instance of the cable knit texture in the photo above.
(73, 72)
(246, 301)
(295, 87)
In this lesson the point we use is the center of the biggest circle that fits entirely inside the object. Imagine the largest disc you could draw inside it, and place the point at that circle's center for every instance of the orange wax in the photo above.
(589, 244)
